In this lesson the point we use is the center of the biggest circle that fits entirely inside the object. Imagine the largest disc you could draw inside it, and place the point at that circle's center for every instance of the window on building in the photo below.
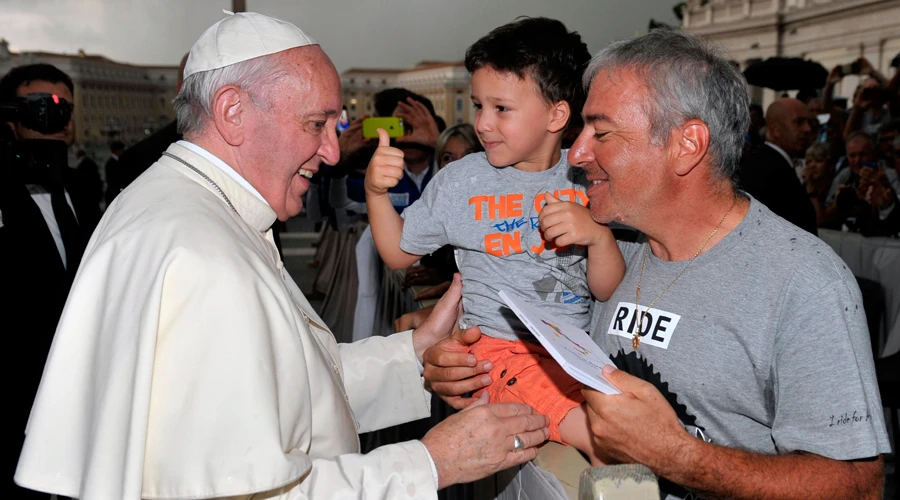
(460, 105)
(352, 81)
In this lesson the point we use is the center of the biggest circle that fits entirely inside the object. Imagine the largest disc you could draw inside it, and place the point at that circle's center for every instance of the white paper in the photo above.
(570, 346)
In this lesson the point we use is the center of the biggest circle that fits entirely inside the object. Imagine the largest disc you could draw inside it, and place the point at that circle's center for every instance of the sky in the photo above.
(354, 33)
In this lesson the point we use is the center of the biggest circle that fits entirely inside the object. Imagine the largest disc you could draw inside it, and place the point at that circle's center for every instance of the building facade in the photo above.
(113, 101)
(447, 85)
(830, 32)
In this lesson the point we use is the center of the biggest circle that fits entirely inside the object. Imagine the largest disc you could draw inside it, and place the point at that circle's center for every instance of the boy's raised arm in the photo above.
(384, 172)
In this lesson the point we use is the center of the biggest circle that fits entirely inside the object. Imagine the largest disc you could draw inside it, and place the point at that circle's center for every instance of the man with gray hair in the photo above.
(741, 341)
(188, 364)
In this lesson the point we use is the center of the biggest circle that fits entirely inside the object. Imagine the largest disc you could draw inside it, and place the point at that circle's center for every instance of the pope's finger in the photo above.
(384, 140)
(526, 423)
(507, 410)
(530, 439)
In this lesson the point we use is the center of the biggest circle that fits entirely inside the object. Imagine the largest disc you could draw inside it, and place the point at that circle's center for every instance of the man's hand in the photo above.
(637, 426)
(835, 75)
(424, 128)
(421, 275)
(452, 371)
(567, 223)
(412, 320)
(478, 442)
(432, 292)
(442, 320)
(865, 67)
(351, 140)
(386, 166)
(875, 188)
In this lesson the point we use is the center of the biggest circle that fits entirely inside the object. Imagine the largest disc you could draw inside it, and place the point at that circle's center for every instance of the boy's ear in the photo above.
(559, 116)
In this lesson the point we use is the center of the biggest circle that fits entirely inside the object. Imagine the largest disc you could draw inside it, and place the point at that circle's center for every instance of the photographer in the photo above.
(875, 101)
(47, 221)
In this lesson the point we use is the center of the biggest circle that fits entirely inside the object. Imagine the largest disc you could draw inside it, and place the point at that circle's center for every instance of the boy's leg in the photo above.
(575, 430)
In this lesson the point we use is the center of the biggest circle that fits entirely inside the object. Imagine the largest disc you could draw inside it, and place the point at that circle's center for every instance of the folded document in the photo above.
(570, 346)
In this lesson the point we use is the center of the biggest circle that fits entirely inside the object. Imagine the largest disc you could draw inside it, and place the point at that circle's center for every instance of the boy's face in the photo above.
(511, 119)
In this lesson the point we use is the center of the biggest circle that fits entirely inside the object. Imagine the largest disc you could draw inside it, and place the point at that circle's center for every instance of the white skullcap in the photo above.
(240, 37)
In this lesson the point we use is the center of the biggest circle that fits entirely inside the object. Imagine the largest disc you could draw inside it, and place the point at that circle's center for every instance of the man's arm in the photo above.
(385, 171)
(661, 443)
(731, 473)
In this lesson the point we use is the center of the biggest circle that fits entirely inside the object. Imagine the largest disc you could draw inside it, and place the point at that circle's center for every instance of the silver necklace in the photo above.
(201, 174)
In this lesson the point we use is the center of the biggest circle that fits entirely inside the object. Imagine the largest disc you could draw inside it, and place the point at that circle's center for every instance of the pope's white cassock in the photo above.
(187, 363)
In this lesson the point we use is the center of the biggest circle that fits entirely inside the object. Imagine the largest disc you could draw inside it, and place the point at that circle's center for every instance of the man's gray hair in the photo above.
(193, 104)
(686, 79)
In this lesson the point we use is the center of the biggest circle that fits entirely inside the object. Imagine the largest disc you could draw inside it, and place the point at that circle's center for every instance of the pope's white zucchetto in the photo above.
(241, 37)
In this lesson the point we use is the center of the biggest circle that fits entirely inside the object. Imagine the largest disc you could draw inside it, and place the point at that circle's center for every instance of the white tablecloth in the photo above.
(877, 259)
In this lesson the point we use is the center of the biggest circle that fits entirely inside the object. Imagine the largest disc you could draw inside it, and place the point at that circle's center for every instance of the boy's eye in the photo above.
(502, 108)
(476, 105)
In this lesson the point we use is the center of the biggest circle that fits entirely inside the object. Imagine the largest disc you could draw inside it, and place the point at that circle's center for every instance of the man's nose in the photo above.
(580, 154)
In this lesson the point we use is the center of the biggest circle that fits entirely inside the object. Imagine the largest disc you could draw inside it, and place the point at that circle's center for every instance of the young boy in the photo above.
(510, 232)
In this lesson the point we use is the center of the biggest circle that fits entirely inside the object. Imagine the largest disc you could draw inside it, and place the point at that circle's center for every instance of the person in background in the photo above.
(768, 173)
(46, 226)
(113, 171)
(817, 176)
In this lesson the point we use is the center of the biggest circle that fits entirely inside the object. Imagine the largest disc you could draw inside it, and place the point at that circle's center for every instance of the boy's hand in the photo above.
(385, 168)
(566, 223)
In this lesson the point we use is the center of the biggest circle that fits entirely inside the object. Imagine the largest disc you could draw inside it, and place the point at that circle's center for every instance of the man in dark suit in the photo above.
(138, 158)
(767, 172)
(45, 227)
(113, 173)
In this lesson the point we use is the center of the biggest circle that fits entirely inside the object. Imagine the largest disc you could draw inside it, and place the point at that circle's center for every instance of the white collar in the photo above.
(223, 167)
(782, 152)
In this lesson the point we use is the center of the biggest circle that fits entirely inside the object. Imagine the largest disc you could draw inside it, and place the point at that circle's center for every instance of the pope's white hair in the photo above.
(193, 104)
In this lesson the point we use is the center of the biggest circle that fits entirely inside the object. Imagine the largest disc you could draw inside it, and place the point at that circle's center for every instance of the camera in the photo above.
(35, 161)
(41, 112)
(851, 68)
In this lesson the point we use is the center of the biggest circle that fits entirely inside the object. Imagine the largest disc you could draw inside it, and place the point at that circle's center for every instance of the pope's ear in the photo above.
(228, 113)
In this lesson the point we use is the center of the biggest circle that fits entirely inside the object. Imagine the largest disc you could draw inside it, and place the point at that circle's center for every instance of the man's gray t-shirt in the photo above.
(491, 216)
(762, 344)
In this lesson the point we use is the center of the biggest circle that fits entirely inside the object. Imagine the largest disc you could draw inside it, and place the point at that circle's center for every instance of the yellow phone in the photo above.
(392, 124)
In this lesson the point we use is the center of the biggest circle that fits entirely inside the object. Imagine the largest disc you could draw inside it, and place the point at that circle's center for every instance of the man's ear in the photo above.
(691, 145)
(559, 116)
(228, 108)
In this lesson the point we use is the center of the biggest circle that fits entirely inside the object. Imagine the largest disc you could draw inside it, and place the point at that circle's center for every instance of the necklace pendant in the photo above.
(635, 341)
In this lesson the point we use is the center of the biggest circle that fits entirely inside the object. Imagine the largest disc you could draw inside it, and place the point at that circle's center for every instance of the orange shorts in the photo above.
(524, 372)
